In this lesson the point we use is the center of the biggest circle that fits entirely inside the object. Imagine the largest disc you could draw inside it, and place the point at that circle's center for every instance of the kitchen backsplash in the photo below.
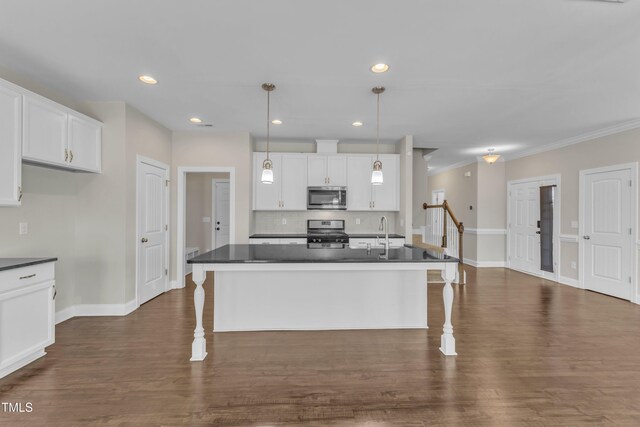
(296, 222)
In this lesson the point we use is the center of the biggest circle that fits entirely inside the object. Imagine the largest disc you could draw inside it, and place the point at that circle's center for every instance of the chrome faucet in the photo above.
(384, 226)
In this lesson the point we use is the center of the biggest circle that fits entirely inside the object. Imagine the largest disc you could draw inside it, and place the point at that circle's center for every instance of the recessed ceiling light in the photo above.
(276, 122)
(147, 79)
(195, 120)
(380, 68)
(357, 123)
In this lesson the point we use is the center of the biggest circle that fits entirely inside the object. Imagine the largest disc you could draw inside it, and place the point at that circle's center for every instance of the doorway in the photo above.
(188, 214)
(152, 236)
(607, 221)
(533, 220)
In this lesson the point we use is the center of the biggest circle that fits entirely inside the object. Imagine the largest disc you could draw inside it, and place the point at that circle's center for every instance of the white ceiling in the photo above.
(465, 74)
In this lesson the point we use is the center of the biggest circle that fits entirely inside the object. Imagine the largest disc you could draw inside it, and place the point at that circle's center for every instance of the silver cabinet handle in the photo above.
(586, 237)
(144, 240)
(28, 277)
(66, 155)
(70, 156)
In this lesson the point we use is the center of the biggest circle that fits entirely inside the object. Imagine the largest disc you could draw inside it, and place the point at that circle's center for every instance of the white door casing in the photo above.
(221, 200)
(152, 268)
(523, 213)
(607, 221)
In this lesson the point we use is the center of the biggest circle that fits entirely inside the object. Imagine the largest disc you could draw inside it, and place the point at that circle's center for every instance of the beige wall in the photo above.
(568, 162)
(200, 149)
(86, 219)
(460, 191)
(419, 188)
(405, 220)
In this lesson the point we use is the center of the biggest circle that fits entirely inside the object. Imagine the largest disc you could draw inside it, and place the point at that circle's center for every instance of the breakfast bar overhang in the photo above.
(293, 287)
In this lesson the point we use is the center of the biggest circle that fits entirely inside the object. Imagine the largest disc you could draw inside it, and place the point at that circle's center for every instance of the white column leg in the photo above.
(199, 346)
(447, 341)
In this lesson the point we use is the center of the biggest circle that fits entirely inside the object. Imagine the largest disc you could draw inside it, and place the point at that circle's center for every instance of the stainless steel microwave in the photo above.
(329, 198)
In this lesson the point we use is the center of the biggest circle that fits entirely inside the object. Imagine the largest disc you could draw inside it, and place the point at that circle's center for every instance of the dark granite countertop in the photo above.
(11, 263)
(304, 236)
(373, 236)
(278, 236)
(230, 254)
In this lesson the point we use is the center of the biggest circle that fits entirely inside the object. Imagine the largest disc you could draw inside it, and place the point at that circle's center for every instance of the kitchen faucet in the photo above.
(384, 226)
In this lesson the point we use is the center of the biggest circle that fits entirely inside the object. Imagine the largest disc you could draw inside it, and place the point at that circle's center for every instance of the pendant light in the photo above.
(267, 165)
(376, 173)
(491, 157)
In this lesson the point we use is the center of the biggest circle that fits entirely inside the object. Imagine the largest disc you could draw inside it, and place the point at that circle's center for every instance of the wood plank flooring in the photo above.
(531, 352)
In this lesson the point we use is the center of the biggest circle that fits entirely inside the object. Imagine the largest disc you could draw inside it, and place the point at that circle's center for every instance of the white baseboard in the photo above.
(484, 264)
(569, 281)
(175, 285)
(86, 310)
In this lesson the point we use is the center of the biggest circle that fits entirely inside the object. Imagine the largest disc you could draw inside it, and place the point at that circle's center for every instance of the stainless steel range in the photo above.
(326, 234)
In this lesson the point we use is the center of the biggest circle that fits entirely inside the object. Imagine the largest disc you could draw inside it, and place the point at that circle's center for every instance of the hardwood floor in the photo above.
(531, 352)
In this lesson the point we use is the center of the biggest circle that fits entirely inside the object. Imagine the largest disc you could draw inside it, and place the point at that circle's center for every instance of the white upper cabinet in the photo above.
(85, 144)
(10, 145)
(294, 184)
(386, 197)
(361, 195)
(57, 136)
(359, 183)
(289, 189)
(326, 170)
(45, 132)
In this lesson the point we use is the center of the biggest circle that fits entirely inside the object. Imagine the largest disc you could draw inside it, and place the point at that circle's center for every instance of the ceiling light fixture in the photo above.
(147, 79)
(267, 165)
(380, 68)
(195, 120)
(357, 124)
(491, 157)
(376, 173)
(276, 122)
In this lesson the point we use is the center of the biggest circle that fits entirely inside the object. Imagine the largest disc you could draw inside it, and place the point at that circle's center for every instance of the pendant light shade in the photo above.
(267, 165)
(491, 157)
(377, 177)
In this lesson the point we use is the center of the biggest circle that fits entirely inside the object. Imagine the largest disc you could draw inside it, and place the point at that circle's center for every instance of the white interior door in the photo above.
(524, 200)
(221, 207)
(607, 232)
(152, 229)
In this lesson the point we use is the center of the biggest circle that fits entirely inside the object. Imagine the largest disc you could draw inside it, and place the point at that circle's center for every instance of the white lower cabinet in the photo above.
(360, 243)
(273, 241)
(27, 315)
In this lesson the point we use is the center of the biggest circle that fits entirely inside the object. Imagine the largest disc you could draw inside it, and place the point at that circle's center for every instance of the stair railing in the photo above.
(443, 229)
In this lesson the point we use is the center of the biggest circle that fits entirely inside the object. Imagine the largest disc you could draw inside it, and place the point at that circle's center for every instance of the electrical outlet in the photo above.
(284, 221)
(357, 221)
(23, 228)
(574, 265)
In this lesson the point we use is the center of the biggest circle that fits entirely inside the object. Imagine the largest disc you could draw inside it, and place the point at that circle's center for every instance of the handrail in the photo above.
(459, 226)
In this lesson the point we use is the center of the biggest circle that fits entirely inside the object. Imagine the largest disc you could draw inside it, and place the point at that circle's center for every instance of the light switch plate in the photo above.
(23, 228)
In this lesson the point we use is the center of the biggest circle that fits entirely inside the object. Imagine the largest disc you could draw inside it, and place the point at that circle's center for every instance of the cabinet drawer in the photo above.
(25, 276)
(289, 241)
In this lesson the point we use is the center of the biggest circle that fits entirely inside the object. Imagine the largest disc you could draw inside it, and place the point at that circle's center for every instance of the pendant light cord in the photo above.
(268, 116)
(378, 128)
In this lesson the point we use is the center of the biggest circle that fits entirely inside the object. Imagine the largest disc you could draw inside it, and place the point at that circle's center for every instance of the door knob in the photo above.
(218, 228)
(538, 232)
(586, 237)
(144, 240)
(218, 222)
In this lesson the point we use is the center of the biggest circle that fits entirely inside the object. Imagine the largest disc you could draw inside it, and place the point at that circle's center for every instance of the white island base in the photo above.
(312, 296)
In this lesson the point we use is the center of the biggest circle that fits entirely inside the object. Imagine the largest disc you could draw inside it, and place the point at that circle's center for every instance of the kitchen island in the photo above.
(294, 287)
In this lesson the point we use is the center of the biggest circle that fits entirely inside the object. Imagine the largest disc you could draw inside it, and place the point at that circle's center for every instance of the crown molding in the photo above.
(453, 166)
(589, 136)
